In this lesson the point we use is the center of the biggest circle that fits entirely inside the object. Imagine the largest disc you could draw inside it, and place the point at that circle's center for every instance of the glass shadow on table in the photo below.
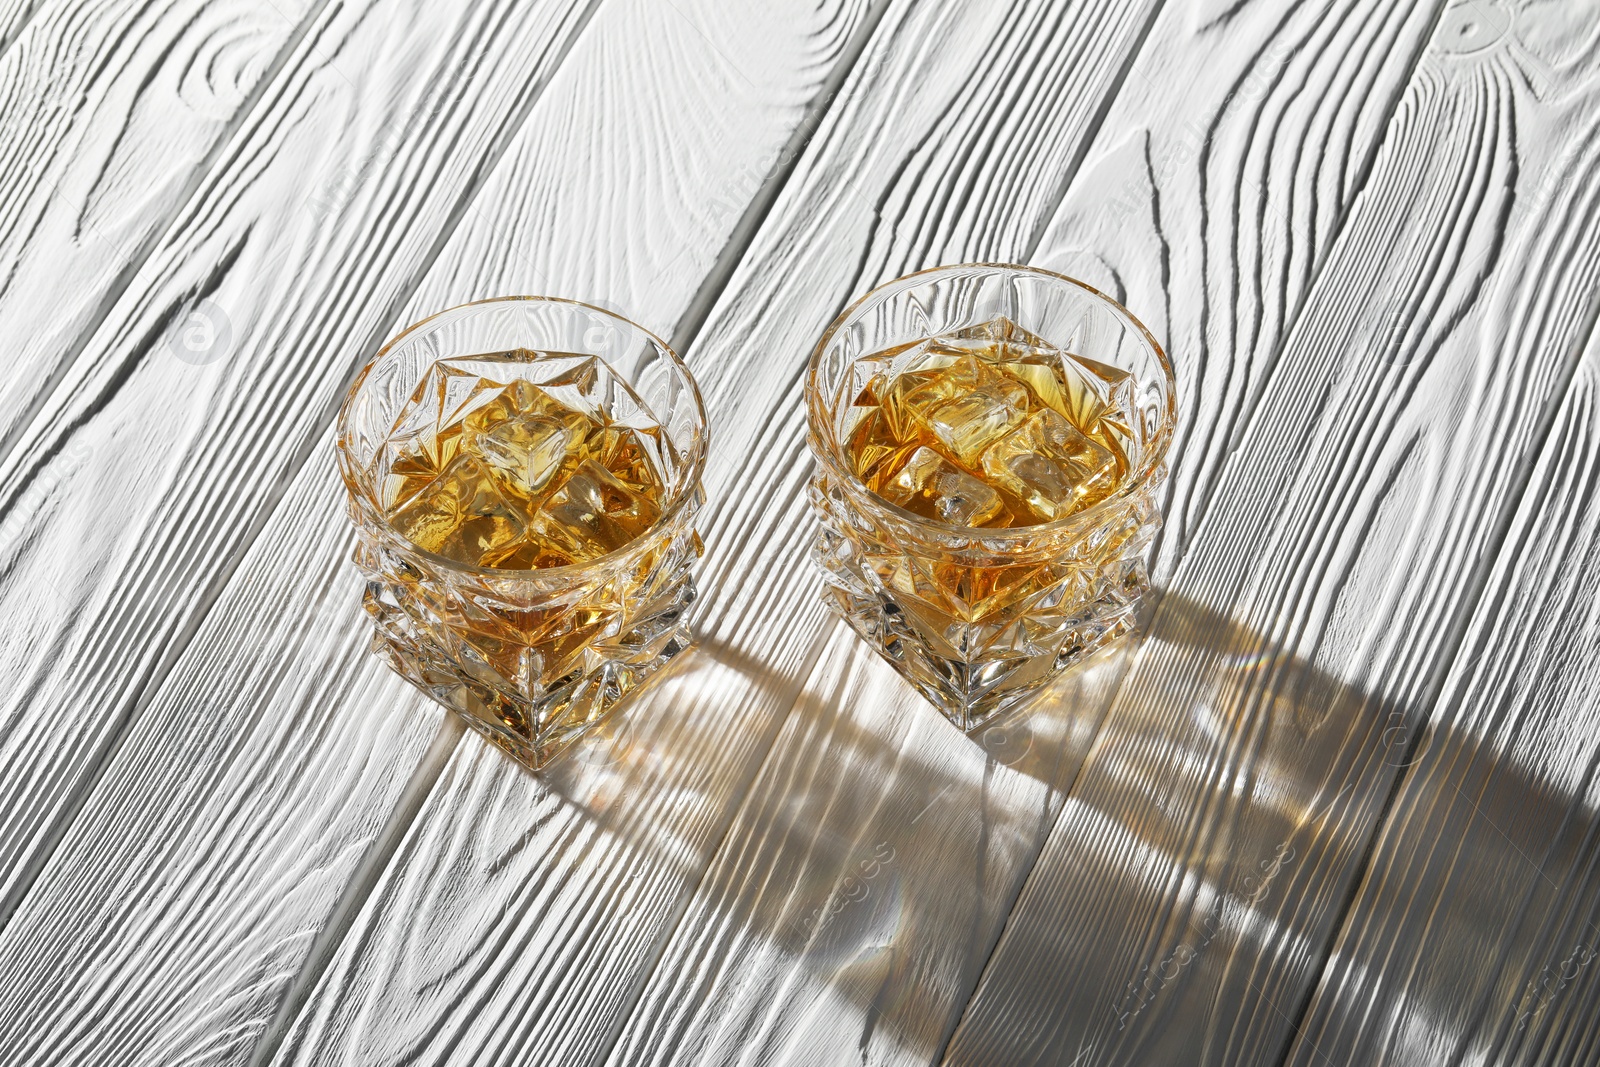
(879, 851)
(668, 763)
(1207, 861)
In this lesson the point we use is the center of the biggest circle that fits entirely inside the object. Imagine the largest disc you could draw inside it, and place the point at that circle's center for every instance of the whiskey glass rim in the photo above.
(681, 498)
(829, 450)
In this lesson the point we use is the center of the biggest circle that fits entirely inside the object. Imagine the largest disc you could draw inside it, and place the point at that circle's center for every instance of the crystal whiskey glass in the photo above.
(990, 444)
(523, 475)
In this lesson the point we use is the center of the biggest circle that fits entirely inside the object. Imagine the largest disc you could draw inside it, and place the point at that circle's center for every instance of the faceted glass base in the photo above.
(977, 640)
(452, 644)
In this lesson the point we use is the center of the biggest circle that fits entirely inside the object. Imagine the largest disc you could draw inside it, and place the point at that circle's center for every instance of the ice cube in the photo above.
(524, 452)
(910, 399)
(931, 486)
(969, 424)
(1052, 465)
(593, 513)
(517, 398)
(459, 514)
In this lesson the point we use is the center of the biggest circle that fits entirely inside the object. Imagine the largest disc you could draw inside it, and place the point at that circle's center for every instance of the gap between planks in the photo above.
(1091, 137)
(359, 886)
(744, 232)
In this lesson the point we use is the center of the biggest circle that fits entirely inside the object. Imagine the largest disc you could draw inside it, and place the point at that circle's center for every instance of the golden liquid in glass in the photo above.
(520, 476)
(989, 427)
(494, 471)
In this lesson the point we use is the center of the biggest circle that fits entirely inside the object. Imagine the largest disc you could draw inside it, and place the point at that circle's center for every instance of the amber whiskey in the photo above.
(513, 475)
(494, 471)
(988, 427)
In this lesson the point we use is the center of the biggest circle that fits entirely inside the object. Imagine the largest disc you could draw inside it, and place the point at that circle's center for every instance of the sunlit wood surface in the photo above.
(1338, 804)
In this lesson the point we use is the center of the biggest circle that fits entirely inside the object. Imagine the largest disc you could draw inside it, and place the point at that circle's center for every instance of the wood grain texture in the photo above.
(639, 163)
(894, 989)
(864, 881)
(171, 921)
(1386, 482)
(530, 942)
(137, 489)
(14, 16)
(271, 754)
(1223, 174)
(590, 892)
(111, 115)
(1475, 933)
(1190, 891)
(1474, 936)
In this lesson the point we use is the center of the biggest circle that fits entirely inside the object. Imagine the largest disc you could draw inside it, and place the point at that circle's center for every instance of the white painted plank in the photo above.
(138, 486)
(110, 116)
(894, 991)
(227, 827)
(1475, 935)
(604, 860)
(135, 488)
(1225, 171)
(1190, 892)
(14, 15)
(169, 924)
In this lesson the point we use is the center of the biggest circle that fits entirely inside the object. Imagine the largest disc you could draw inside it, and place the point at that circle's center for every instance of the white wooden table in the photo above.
(1340, 806)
